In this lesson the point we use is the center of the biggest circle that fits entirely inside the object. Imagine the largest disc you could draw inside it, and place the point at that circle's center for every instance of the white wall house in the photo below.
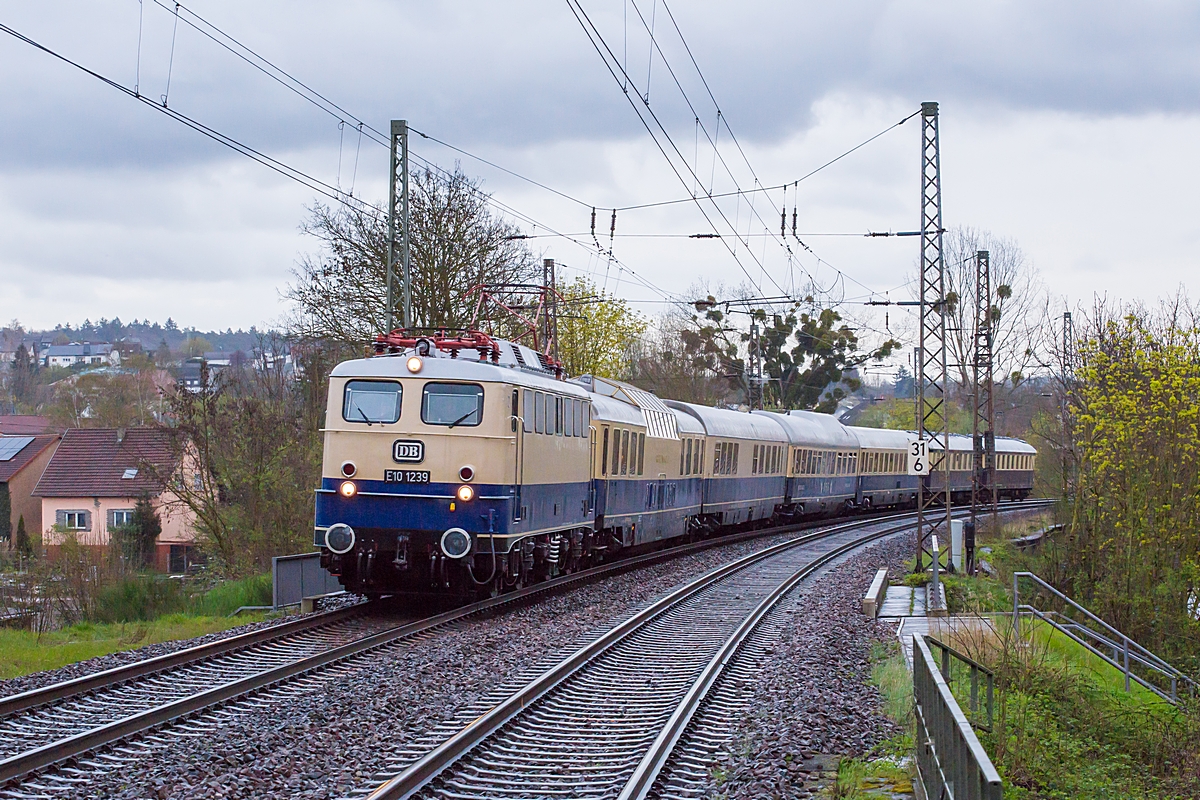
(68, 355)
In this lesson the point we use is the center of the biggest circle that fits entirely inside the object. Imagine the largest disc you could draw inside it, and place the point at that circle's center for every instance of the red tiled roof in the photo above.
(90, 462)
(26, 454)
(23, 425)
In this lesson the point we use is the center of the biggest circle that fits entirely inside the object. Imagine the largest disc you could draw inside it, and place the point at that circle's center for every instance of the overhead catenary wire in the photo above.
(302, 89)
(613, 65)
(288, 171)
(776, 186)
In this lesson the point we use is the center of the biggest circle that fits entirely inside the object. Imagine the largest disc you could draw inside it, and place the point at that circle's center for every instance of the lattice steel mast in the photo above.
(398, 224)
(983, 427)
(933, 418)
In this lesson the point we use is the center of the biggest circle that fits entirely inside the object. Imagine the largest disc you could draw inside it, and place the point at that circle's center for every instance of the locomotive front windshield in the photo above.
(371, 401)
(452, 404)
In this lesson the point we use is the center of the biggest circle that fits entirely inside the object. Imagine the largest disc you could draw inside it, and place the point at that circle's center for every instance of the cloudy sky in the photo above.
(1070, 128)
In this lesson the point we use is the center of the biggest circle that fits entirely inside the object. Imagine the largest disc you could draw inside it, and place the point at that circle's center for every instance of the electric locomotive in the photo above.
(463, 465)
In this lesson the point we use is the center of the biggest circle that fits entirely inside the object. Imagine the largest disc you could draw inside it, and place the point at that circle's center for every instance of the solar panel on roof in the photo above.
(11, 445)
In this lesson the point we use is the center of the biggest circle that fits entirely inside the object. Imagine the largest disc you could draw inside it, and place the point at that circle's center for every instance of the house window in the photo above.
(75, 521)
(121, 518)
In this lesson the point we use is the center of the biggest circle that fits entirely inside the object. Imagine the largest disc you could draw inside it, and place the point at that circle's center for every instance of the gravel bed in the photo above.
(330, 739)
(37, 680)
(814, 697)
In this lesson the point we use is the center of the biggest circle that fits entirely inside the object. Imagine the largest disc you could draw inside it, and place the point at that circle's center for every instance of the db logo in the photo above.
(408, 451)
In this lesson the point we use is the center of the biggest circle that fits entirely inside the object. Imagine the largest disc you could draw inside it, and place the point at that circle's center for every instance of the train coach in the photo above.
(463, 465)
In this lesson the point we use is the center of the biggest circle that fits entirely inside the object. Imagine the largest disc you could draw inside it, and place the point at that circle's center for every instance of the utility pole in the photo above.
(398, 213)
(754, 376)
(550, 308)
(933, 417)
(983, 437)
(1068, 370)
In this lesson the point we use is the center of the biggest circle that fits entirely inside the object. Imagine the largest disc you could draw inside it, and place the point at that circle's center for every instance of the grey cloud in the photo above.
(523, 72)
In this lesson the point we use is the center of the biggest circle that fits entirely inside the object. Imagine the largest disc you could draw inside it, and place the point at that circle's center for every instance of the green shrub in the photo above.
(138, 599)
(225, 598)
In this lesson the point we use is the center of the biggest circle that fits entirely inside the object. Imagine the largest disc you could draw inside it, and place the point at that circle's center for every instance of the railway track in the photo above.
(85, 724)
(636, 712)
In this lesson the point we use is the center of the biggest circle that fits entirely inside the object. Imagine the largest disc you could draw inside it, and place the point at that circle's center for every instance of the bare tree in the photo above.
(456, 243)
(1018, 305)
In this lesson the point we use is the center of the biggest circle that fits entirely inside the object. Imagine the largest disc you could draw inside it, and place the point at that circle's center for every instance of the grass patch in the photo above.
(23, 652)
(1065, 727)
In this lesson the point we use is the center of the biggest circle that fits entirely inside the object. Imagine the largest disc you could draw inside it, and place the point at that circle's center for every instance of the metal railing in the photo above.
(951, 763)
(976, 670)
(1105, 642)
(296, 577)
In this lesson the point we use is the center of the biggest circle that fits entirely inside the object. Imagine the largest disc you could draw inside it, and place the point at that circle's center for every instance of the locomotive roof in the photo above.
(810, 429)
(464, 368)
(732, 424)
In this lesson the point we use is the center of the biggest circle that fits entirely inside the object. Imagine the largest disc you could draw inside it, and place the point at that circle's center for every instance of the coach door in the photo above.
(520, 423)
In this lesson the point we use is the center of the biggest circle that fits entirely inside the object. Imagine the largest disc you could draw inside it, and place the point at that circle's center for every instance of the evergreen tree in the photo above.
(24, 546)
(146, 527)
(5, 513)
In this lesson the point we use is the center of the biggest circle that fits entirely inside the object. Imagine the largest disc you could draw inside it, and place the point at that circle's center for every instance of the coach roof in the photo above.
(882, 438)
(732, 424)
(607, 409)
(809, 429)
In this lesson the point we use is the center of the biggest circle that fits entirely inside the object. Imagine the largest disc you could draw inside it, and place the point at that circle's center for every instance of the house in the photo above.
(22, 459)
(10, 340)
(23, 425)
(94, 480)
(68, 355)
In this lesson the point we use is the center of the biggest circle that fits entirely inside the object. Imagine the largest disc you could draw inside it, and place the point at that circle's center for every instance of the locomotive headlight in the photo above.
(348, 469)
(465, 493)
(414, 365)
(340, 538)
(456, 543)
(466, 474)
(347, 489)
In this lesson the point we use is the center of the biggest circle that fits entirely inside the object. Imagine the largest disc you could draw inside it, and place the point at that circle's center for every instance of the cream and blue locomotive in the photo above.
(467, 465)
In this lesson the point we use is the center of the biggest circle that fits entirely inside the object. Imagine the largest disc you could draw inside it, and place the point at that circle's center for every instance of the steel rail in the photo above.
(422, 772)
(642, 781)
(30, 761)
(73, 746)
(428, 767)
(140, 669)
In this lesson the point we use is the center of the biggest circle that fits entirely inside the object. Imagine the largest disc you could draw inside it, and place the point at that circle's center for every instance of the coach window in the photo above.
(371, 401)
(539, 413)
(615, 466)
(604, 453)
(452, 404)
(641, 453)
(558, 416)
(689, 457)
